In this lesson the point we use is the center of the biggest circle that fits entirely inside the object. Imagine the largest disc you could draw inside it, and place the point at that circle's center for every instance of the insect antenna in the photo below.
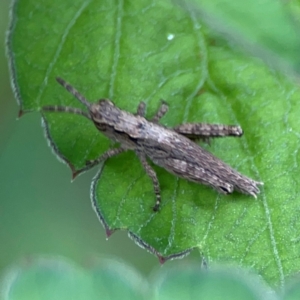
(66, 109)
(74, 92)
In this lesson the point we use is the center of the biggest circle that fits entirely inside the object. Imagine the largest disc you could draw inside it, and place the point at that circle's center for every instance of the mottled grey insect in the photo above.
(170, 148)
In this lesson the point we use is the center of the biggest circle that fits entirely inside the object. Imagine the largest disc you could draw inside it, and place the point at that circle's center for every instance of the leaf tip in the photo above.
(21, 113)
(109, 232)
(75, 173)
(161, 259)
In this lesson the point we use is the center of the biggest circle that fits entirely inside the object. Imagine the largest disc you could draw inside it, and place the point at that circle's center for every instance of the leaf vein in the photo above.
(116, 54)
(58, 50)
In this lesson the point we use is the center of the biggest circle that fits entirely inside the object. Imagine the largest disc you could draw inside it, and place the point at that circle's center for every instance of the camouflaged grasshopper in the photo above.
(170, 148)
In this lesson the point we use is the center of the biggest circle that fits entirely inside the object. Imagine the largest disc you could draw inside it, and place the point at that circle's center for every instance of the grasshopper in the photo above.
(173, 149)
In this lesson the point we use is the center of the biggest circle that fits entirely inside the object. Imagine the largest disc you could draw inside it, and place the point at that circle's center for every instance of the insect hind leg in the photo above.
(151, 173)
(161, 112)
(206, 131)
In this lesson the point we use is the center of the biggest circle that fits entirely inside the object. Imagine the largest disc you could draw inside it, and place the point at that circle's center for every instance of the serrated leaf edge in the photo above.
(138, 240)
(60, 156)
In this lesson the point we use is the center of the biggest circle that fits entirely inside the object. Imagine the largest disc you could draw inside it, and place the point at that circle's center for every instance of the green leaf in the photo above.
(47, 279)
(269, 29)
(135, 50)
(115, 280)
(190, 282)
(56, 278)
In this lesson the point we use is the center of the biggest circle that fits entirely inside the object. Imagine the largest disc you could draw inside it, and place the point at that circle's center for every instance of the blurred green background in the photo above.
(41, 211)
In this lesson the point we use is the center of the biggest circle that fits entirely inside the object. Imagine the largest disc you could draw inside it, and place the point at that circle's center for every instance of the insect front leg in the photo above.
(161, 112)
(151, 173)
(205, 131)
(104, 156)
(141, 110)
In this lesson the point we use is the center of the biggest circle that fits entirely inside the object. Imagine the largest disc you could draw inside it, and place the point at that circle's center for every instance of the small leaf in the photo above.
(47, 279)
(55, 278)
(135, 50)
(190, 282)
(115, 280)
